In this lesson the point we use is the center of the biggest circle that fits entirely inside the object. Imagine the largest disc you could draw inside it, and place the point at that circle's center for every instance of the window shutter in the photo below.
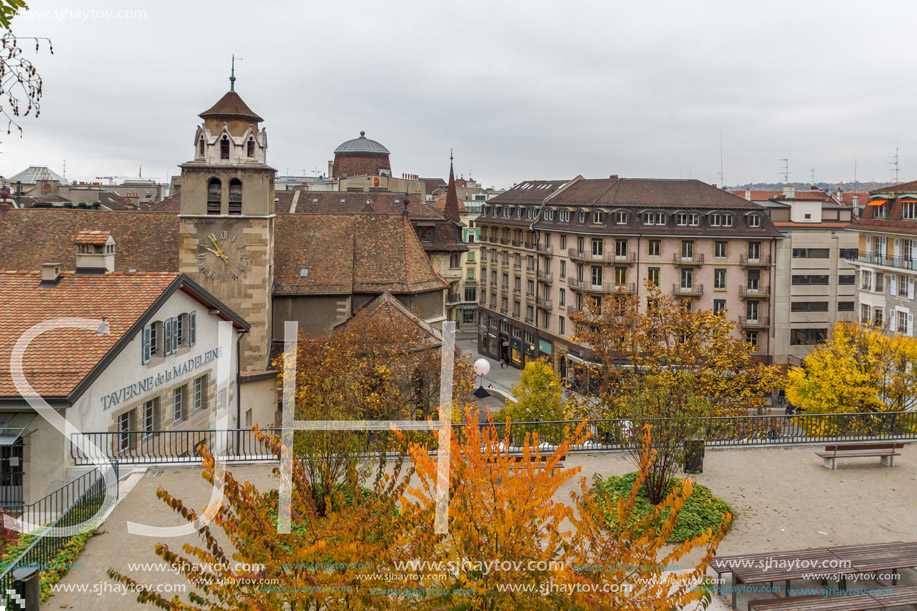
(913, 253)
(167, 336)
(893, 285)
(897, 248)
(147, 349)
(910, 287)
(910, 324)
(868, 247)
(176, 339)
(192, 328)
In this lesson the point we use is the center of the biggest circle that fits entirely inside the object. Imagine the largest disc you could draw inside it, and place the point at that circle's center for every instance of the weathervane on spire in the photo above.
(232, 75)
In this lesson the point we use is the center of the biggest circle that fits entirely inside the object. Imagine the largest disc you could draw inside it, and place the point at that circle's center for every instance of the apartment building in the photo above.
(815, 281)
(886, 261)
(550, 246)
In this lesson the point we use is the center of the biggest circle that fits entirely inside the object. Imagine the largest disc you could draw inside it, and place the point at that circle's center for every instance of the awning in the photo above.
(12, 425)
(877, 202)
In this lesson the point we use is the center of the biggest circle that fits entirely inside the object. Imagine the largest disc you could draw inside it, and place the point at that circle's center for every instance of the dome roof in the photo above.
(35, 173)
(362, 145)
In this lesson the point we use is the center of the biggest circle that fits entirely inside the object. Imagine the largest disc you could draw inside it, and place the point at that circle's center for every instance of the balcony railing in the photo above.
(760, 292)
(573, 310)
(601, 257)
(504, 310)
(517, 265)
(879, 259)
(605, 287)
(695, 290)
(761, 322)
(543, 275)
(544, 249)
(759, 261)
(471, 281)
(454, 299)
(695, 259)
(530, 320)
(517, 290)
(543, 302)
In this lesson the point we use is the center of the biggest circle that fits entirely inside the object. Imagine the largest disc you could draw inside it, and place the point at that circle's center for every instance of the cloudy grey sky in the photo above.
(519, 88)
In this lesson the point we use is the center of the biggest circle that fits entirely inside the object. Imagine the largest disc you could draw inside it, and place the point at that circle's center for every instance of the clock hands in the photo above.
(219, 251)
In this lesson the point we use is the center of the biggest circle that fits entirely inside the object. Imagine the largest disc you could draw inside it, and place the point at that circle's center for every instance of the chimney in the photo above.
(613, 177)
(748, 194)
(789, 191)
(856, 200)
(50, 274)
(95, 252)
(330, 168)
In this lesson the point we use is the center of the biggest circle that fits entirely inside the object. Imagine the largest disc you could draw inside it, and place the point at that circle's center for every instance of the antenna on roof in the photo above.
(786, 169)
(894, 161)
(813, 173)
(722, 174)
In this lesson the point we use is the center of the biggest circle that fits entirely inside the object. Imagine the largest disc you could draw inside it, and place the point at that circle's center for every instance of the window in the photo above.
(563, 242)
(549, 214)
(652, 275)
(579, 272)
(597, 217)
(620, 276)
(148, 349)
(529, 313)
(654, 218)
(878, 316)
(565, 216)
(470, 273)
(753, 282)
(561, 324)
(198, 398)
(720, 249)
(902, 323)
(563, 269)
(178, 404)
(455, 261)
(846, 279)
(687, 278)
(471, 294)
(880, 211)
(719, 279)
(654, 248)
(848, 253)
(681, 219)
(200, 148)
(517, 284)
(235, 196)
(752, 338)
(425, 234)
(807, 337)
(809, 279)
(180, 330)
(562, 297)
(519, 212)
(687, 249)
(754, 251)
(224, 148)
(149, 418)
(505, 281)
(719, 306)
(880, 282)
(754, 220)
(751, 310)
(909, 209)
(620, 218)
(845, 306)
(530, 287)
(727, 220)
(809, 306)
(597, 247)
(864, 313)
(811, 253)
(124, 427)
(214, 196)
(620, 248)
(250, 150)
(596, 275)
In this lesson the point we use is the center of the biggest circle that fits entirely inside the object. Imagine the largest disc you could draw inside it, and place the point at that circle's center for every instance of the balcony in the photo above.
(504, 241)
(574, 311)
(695, 290)
(454, 299)
(605, 287)
(544, 249)
(522, 244)
(761, 322)
(517, 265)
(886, 261)
(543, 275)
(602, 257)
(517, 290)
(759, 292)
(504, 310)
(759, 261)
(543, 302)
(529, 296)
(530, 320)
(471, 281)
(681, 259)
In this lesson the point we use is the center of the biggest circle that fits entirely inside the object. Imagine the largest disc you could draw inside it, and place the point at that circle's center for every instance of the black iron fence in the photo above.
(68, 506)
(240, 445)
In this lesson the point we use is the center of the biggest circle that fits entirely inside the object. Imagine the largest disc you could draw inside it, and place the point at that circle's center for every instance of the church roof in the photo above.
(362, 145)
(451, 207)
(230, 105)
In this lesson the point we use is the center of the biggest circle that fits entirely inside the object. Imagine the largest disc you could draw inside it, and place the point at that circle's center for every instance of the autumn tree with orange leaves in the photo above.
(509, 530)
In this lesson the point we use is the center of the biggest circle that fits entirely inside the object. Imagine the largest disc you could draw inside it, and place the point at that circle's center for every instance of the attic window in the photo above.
(597, 217)
(251, 148)
(303, 273)
(224, 148)
(754, 220)
(201, 148)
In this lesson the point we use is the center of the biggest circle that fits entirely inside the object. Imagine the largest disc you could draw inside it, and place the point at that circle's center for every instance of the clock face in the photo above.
(222, 256)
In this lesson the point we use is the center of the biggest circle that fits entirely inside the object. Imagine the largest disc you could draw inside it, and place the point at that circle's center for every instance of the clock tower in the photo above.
(227, 219)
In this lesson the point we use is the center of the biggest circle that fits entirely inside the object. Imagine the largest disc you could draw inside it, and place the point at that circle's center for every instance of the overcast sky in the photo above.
(520, 89)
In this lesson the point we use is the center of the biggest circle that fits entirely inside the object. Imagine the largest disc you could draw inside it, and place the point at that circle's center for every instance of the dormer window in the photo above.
(909, 209)
(880, 211)
(549, 214)
(250, 151)
(654, 218)
(727, 220)
(565, 216)
(582, 216)
(519, 212)
(597, 217)
(224, 148)
(754, 220)
(620, 218)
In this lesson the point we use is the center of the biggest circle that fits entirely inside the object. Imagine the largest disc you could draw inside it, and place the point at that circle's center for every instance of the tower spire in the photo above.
(451, 208)
(232, 74)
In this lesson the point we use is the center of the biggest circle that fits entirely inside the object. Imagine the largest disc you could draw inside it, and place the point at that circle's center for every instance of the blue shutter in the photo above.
(167, 336)
(147, 349)
(192, 328)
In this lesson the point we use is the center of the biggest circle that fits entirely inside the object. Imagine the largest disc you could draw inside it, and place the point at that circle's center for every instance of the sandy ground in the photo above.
(784, 500)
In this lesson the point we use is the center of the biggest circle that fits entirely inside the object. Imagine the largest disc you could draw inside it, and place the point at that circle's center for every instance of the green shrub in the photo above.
(700, 512)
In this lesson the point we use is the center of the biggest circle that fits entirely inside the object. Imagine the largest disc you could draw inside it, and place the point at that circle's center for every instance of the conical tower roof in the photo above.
(451, 209)
(231, 105)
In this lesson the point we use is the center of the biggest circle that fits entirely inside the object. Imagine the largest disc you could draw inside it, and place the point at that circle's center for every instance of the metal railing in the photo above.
(761, 292)
(759, 322)
(884, 260)
(682, 259)
(70, 505)
(759, 261)
(607, 434)
(695, 290)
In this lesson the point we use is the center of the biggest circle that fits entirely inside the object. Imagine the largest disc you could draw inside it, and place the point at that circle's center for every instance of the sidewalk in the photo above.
(501, 379)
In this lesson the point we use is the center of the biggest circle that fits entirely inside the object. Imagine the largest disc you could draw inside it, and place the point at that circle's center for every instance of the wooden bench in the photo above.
(894, 597)
(885, 451)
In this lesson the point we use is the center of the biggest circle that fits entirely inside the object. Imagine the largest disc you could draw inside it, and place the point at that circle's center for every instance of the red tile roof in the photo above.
(98, 238)
(56, 361)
